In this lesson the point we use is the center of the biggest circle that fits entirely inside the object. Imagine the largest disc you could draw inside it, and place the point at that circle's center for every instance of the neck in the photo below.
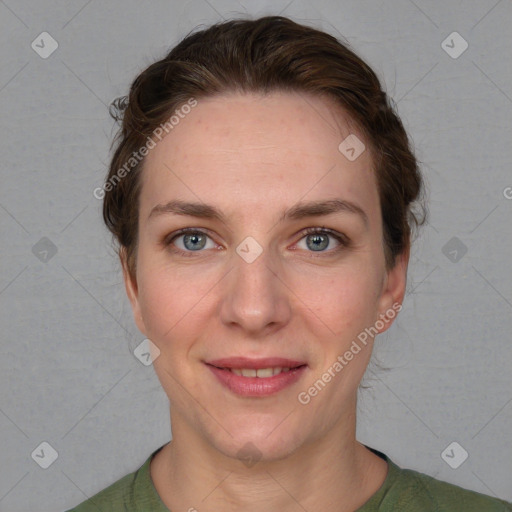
(332, 473)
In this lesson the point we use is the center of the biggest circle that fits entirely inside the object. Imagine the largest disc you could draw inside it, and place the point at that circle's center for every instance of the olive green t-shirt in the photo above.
(403, 490)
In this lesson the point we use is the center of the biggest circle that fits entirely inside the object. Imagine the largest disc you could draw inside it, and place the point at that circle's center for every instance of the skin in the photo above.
(252, 157)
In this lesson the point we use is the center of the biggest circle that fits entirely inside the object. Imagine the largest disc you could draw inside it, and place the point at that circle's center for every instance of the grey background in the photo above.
(68, 375)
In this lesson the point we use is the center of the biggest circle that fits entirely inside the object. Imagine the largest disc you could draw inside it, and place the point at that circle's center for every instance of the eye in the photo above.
(319, 239)
(190, 240)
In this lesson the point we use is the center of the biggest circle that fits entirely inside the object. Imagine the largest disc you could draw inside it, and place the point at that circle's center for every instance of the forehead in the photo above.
(258, 151)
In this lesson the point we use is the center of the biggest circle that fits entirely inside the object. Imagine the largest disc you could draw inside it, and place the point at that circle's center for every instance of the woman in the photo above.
(262, 195)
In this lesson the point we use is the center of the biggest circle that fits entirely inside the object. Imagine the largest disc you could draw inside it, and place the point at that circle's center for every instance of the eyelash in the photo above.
(341, 239)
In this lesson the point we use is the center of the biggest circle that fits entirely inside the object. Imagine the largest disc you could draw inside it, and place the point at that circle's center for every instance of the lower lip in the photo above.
(255, 386)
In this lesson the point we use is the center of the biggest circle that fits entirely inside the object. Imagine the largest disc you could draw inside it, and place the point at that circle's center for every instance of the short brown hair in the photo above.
(268, 54)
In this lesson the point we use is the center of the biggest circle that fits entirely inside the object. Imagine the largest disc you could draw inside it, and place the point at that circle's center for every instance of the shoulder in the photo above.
(407, 490)
(117, 495)
(417, 491)
(133, 492)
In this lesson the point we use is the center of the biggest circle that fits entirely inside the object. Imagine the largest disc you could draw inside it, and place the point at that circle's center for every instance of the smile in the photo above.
(257, 377)
(261, 373)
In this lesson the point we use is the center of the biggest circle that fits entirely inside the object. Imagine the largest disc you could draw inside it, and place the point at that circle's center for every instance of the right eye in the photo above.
(190, 240)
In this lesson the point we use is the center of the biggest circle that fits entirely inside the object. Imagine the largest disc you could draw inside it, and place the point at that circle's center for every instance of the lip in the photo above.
(255, 363)
(255, 386)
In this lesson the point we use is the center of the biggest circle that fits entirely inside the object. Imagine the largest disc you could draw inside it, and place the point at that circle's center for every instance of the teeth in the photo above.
(261, 373)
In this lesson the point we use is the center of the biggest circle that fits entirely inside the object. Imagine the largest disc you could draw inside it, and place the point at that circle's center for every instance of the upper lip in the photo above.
(256, 364)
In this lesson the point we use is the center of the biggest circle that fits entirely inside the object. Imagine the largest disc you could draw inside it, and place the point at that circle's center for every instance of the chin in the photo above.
(258, 444)
(251, 452)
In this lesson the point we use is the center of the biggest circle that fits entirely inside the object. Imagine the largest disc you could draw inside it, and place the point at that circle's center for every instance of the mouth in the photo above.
(260, 373)
(257, 377)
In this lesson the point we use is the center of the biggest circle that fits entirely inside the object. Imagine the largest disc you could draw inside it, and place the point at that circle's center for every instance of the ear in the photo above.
(132, 291)
(393, 292)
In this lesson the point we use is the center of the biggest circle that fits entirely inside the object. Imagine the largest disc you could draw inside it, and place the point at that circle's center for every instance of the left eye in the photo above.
(318, 240)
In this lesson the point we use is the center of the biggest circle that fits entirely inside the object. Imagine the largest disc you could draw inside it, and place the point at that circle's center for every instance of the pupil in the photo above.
(195, 239)
(320, 242)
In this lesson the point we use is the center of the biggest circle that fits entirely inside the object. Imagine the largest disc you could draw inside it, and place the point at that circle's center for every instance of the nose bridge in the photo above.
(254, 298)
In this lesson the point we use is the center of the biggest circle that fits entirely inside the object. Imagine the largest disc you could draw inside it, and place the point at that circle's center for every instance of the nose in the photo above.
(255, 298)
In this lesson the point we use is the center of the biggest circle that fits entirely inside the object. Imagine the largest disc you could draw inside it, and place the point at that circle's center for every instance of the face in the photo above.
(282, 266)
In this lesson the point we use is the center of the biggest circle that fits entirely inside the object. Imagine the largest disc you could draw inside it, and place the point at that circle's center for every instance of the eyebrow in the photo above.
(296, 212)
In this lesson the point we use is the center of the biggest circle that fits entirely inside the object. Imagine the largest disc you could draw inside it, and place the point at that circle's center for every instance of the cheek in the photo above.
(172, 301)
(341, 303)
